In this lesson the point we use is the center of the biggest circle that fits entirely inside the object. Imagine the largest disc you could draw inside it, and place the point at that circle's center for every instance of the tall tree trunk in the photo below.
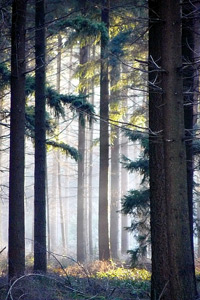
(124, 189)
(160, 267)
(16, 251)
(196, 89)
(114, 209)
(81, 207)
(1, 177)
(181, 282)
(104, 248)
(90, 184)
(40, 141)
(62, 217)
(189, 98)
(124, 175)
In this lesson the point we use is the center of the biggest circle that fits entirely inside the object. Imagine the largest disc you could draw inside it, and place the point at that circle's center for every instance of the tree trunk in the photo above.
(90, 183)
(62, 215)
(40, 139)
(114, 209)
(16, 251)
(181, 280)
(189, 98)
(81, 207)
(124, 176)
(124, 189)
(104, 249)
(160, 268)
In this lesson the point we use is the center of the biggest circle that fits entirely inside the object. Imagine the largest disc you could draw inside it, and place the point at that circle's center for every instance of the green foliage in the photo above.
(29, 85)
(4, 75)
(54, 99)
(83, 26)
(125, 274)
(68, 150)
(141, 165)
(30, 122)
(134, 136)
(76, 103)
(116, 46)
(136, 202)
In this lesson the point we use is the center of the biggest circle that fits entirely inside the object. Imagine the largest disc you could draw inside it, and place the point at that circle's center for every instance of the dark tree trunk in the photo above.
(181, 280)
(40, 139)
(160, 267)
(189, 99)
(104, 249)
(16, 251)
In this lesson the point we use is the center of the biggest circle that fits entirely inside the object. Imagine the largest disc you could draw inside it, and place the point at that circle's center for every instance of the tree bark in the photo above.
(16, 251)
(81, 206)
(188, 53)
(160, 268)
(104, 248)
(115, 192)
(90, 185)
(181, 280)
(40, 141)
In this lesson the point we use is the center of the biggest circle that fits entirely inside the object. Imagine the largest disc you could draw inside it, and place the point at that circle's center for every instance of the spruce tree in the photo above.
(16, 251)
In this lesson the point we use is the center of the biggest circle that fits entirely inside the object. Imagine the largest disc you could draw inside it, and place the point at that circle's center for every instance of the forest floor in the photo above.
(97, 281)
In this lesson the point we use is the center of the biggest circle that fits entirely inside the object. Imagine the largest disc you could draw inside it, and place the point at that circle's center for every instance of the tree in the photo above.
(178, 283)
(40, 141)
(160, 270)
(104, 249)
(188, 53)
(114, 207)
(81, 206)
(16, 252)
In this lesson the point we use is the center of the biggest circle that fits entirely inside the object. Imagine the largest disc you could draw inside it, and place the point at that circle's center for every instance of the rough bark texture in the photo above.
(160, 266)
(189, 100)
(40, 139)
(104, 248)
(16, 251)
(181, 280)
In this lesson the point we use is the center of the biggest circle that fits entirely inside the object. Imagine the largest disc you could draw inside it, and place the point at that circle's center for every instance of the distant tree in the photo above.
(104, 249)
(115, 164)
(81, 206)
(16, 251)
(40, 141)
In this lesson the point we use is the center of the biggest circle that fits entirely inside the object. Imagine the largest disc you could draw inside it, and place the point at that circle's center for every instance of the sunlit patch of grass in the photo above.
(125, 274)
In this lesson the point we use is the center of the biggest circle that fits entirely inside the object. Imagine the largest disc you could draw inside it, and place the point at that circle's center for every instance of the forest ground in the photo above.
(97, 280)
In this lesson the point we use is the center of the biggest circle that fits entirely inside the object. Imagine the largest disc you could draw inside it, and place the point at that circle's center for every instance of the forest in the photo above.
(99, 149)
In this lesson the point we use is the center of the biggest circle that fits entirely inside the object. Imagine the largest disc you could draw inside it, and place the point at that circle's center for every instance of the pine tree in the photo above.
(16, 251)
(178, 284)
(104, 249)
(40, 141)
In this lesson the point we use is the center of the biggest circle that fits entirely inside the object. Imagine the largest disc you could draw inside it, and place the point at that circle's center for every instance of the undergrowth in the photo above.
(97, 280)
